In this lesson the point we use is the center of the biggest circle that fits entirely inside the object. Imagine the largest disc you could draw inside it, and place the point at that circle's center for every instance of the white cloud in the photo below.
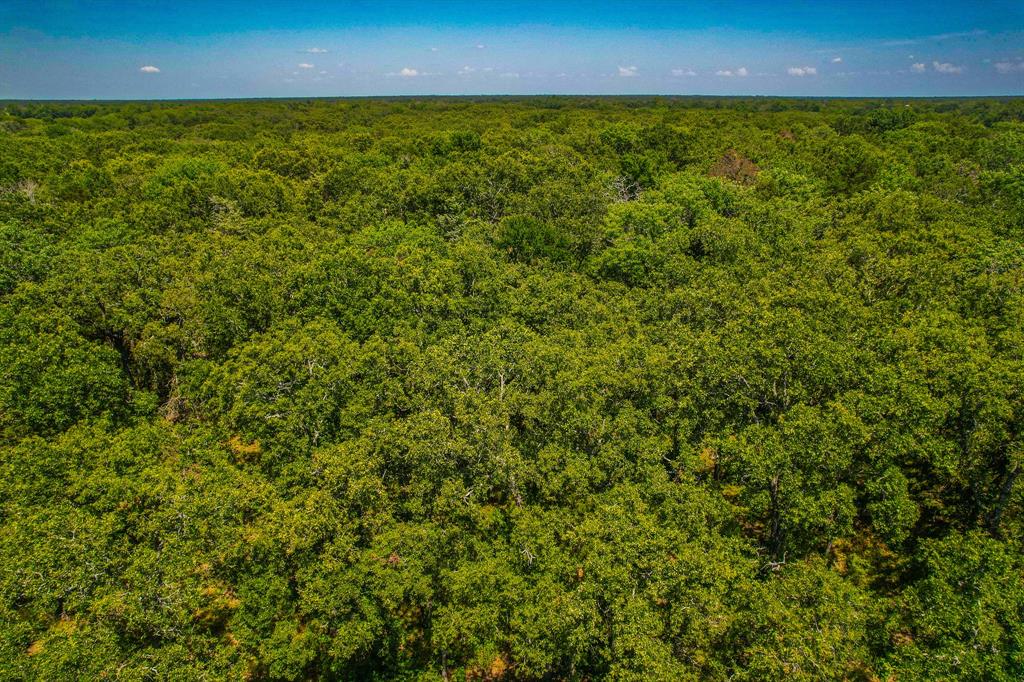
(918, 68)
(149, 69)
(729, 73)
(683, 72)
(802, 71)
(627, 71)
(1010, 67)
(837, 60)
(466, 70)
(510, 74)
(315, 50)
(946, 67)
(480, 46)
(304, 65)
(408, 72)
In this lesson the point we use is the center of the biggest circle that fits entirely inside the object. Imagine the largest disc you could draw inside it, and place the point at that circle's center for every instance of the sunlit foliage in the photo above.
(512, 389)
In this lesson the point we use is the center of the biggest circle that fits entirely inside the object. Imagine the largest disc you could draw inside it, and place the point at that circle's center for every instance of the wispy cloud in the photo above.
(510, 74)
(870, 45)
(466, 70)
(149, 69)
(304, 65)
(406, 72)
(837, 60)
(683, 72)
(802, 71)
(918, 68)
(1010, 67)
(935, 38)
(315, 50)
(729, 73)
(627, 71)
(946, 67)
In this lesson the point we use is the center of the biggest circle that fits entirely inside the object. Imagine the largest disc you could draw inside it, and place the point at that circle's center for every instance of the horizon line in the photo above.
(105, 100)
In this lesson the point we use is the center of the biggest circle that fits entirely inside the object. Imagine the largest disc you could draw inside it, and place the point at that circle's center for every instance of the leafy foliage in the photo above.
(549, 388)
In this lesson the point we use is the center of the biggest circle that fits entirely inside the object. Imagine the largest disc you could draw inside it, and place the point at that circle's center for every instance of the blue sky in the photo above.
(188, 49)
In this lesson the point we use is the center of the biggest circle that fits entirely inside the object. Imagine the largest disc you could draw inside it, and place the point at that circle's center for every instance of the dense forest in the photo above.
(512, 389)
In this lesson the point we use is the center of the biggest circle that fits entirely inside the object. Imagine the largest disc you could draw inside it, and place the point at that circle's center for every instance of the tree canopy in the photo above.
(512, 389)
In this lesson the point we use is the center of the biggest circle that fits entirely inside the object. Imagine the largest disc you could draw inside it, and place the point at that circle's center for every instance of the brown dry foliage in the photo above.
(497, 669)
(735, 167)
(242, 450)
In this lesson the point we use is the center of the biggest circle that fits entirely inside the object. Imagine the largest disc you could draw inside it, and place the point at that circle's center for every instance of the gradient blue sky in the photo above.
(188, 49)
